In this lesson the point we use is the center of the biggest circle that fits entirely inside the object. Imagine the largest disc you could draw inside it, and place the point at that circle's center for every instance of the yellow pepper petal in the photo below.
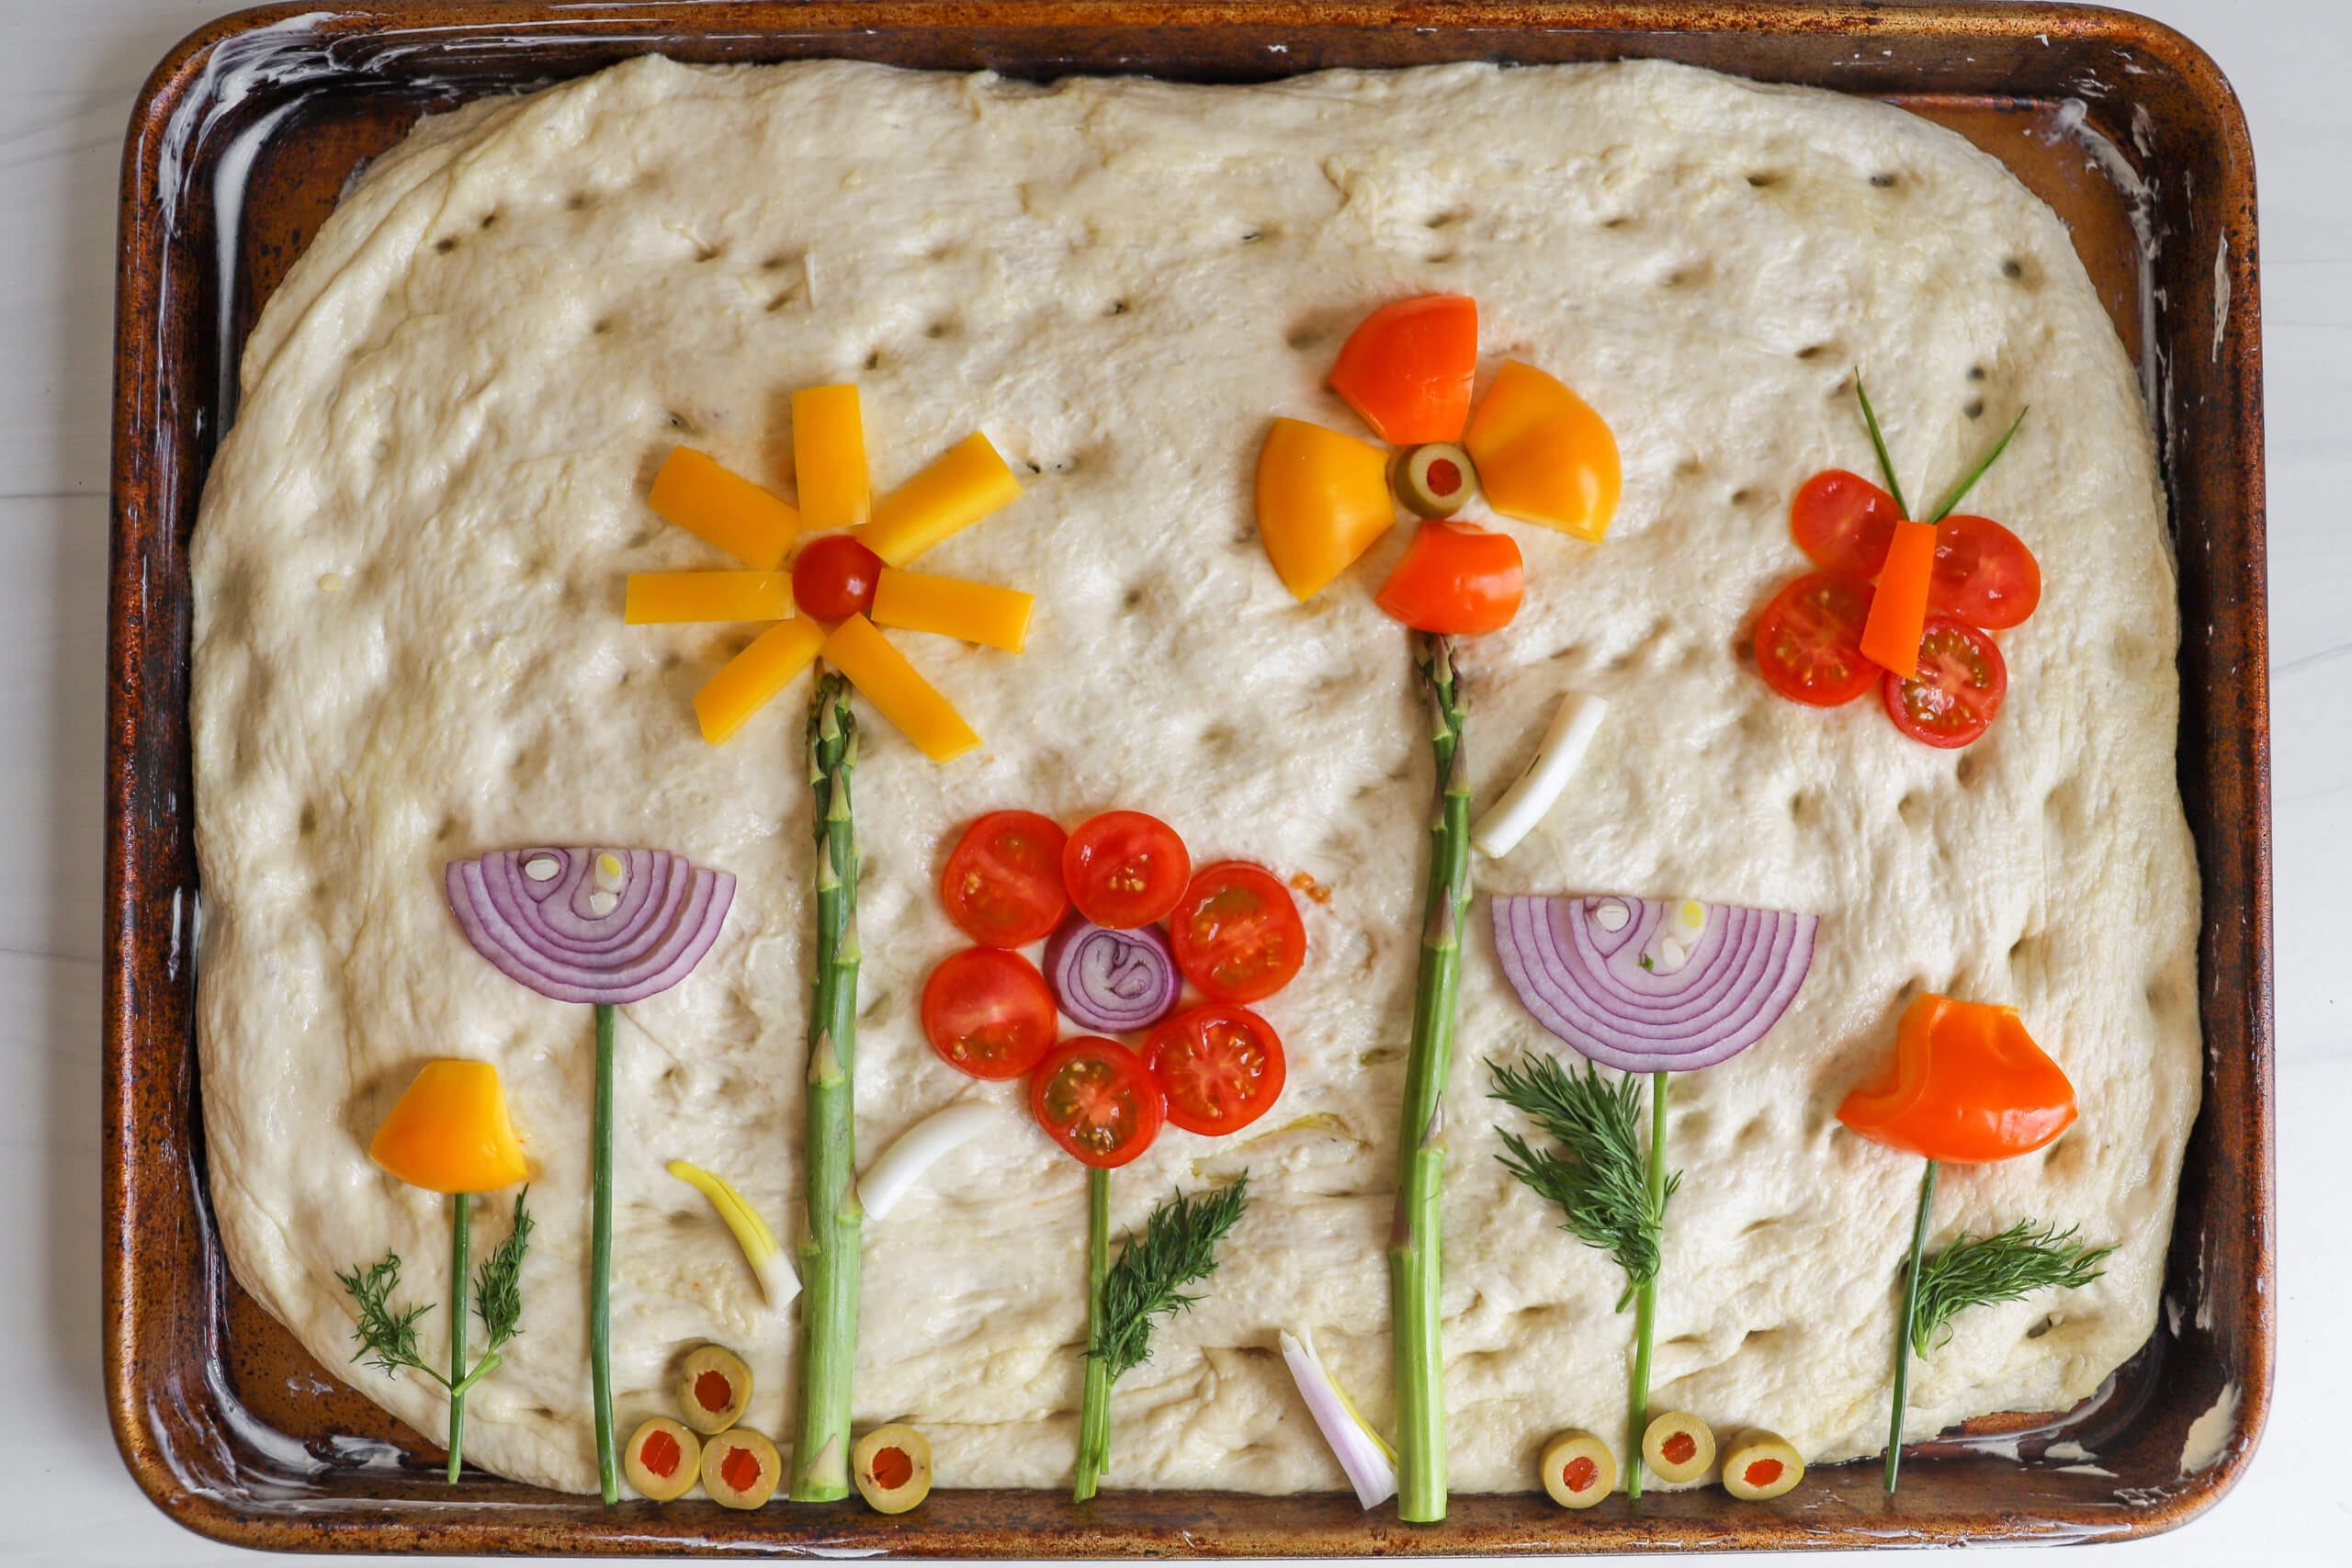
(975, 611)
(1323, 499)
(659, 598)
(726, 509)
(1543, 455)
(449, 1131)
(746, 682)
(963, 485)
(882, 673)
(829, 457)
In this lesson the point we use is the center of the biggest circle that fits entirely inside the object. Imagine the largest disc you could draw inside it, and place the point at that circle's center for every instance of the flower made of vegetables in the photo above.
(1967, 1086)
(844, 583)
(589, 925)
(449, 1131)
(1532, 448)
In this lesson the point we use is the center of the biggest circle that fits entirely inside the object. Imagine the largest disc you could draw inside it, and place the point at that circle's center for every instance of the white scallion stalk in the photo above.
(778, 1282)
(1524, 804)
(892, 1176)
(1371, 1464)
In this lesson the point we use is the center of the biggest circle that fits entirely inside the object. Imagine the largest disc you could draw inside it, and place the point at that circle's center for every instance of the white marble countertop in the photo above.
(68, 72)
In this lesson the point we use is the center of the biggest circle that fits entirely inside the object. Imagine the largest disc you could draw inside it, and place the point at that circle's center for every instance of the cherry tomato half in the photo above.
(1407, 367)
(1221, 1067)
(835, 578)
(1124, 869)
(1456, 578)
(1843, 522)
(1003, 882)
(1984, 575)
(1961, 681)
(989, 1013)
(1237, 933)
(1809, 640)
(1097, 1099)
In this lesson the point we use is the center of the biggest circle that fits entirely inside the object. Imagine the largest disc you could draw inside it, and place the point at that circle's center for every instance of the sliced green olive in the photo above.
(892, 1466)
(1435, 479)
(1578, 1470)
(739, 1469)
(1762, 1464)
(1678, 1447)
(714, 1389)
(663, 1458)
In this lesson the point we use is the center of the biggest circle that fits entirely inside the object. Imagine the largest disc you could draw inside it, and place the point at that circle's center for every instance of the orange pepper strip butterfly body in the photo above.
(1967, 1086)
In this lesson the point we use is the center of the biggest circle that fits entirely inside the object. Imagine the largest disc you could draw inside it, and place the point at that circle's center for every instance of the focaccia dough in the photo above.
(409, 649)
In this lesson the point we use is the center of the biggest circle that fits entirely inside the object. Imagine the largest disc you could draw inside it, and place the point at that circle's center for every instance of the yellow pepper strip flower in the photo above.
(746, 682)
(726, 509)
(883, 676)
(778, 1280)
(1323, 500)
(829, 457)
(975, 611)
(659, 598)
(964, 484)
(449, 1133)
(1543, 455)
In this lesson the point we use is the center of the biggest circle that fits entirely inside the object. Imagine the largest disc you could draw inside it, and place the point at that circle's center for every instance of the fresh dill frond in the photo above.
(1597, 1173)
(1978, 1270)
(498, 1284)
(386, 1336)
(1178, 1248)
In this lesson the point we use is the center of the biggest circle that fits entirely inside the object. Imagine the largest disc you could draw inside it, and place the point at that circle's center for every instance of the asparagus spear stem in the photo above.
(607, 1461)
(1903, 1328)
(828, 1246)
(1094, 1419)
(460, 1260)
(1413, 1247)
(1638, 1404)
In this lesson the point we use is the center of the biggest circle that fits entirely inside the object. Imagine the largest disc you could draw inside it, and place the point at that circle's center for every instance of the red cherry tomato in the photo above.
(1003, 882)
(989, 1013)
(1984, 575)
(1097, 1099)
(1961, 681)
(1843, 522)
(1124, 869)
(1237, 933)
(1809, 640)
(1408, 369)
(1456, 578)
(1221, 1067)
(835, 577)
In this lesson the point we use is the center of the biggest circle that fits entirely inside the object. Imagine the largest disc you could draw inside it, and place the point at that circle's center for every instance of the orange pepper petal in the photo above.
(1967, 1086)
(449, 1131)
(1543, 454)
(1409, 366)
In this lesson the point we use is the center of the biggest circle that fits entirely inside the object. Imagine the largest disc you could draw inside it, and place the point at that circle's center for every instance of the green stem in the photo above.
(1637, 1402)
(1414, 1254)
(1903, 1328)
(461, 1205)
(482, 1368)
(1094, 1417)
(829, 1248)
(600, 1259)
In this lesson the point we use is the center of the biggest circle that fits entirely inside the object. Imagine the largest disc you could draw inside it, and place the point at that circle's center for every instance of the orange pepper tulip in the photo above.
(449, 1133)
(1967, 1086)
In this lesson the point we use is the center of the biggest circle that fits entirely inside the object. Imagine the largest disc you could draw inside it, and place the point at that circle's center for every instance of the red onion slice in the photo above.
(589, 925)
(1111, 981)
(1652, 984)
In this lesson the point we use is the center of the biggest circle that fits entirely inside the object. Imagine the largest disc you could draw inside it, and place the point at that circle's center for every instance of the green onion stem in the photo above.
(1637, 1401)
(600, 1259)
(1903, 1328)
(461, 1206)
(1094, 1419)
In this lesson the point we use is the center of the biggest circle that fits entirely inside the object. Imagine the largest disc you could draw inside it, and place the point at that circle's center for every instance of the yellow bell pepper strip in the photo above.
(961, 486)
(884, 678)
(746, 682)
(449, 1133)
(1899, 607)
(726, 509)
(1323, 499)
(1543, 455)
(949, 606)
(829, 457)
(659, 598)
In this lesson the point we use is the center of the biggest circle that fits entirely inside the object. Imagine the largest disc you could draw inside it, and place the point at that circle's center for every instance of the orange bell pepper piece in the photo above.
(662, 598)
(1456, 579)
(883, 675)
(1543, 455)
(1899, 609)
(1323, 498)
(1407, 367)
(829, 457)
(959, 487)
(726, 509)
(449, 1133)
(750, 681)
(1967, 1086)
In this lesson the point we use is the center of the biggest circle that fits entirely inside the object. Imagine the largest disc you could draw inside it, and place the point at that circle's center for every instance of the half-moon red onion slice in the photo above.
(1653, 985)
(589, 925)
(1111, 981)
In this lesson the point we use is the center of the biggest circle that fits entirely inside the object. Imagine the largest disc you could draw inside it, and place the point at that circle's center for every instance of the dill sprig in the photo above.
(498, 1285)
(1597, 1174)
(386, 1336)
(1178, 1248)
(1979, 1271)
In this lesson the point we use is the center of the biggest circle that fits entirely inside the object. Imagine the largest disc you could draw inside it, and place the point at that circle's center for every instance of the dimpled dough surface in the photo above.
(410, 647)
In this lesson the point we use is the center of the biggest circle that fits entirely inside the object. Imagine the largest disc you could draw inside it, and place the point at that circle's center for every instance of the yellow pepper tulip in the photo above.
(449, 1131)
